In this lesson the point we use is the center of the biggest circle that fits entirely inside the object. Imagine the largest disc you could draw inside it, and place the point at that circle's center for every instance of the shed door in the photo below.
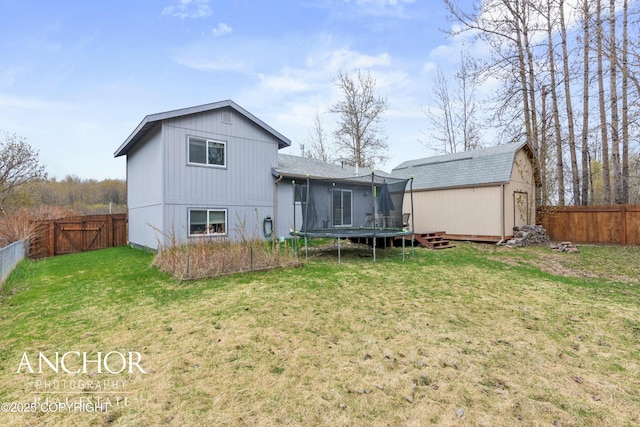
(521, 211)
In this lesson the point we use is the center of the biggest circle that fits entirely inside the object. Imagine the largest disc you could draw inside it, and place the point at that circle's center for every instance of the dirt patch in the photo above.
(562, 264)
(555, 264)
(549, 264)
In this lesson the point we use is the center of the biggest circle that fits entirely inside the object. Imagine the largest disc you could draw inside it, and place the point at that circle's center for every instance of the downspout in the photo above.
(413, 224)
(502, 201)
(275, 210)
(375, 214)
(306, 221)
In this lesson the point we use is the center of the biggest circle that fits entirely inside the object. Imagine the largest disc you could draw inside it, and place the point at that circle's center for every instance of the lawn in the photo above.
(477, 335)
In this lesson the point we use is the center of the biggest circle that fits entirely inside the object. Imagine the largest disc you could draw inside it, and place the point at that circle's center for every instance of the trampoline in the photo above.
(368, 206)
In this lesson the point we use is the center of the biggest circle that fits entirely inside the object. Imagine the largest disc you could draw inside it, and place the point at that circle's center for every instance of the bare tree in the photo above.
(467, 78)
(19, 164)
(606, 182)
(625, 103)
(318, 143)
(454, 126)
(542, 155)
(586, 16)
(569, 106)
(359, 137)
(507, 27)
(443, 137)
(554, 104)
(534, 71)
(613, 93)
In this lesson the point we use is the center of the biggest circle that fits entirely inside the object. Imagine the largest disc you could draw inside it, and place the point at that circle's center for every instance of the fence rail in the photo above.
(78, 234)
(613, 224)
(10, 256)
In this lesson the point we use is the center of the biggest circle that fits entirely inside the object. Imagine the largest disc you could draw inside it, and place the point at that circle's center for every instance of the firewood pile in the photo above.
(528, 235)
(564, 247)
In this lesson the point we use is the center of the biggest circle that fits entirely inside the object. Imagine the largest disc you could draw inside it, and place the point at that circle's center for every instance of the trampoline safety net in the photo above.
(368, 205)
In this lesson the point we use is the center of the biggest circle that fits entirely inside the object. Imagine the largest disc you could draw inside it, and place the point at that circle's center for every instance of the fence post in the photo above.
(623, 227)
(110, 230)
(52, 238)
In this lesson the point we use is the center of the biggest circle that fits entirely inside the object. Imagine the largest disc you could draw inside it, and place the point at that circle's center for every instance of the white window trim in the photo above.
(207, 210)
(207, 141)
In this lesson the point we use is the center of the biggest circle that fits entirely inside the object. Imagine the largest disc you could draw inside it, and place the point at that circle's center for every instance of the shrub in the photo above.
(18, 224)
(212, 257)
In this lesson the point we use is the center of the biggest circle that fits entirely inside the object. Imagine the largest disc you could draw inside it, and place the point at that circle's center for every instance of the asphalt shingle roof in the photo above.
(297, 166)
(484, 166)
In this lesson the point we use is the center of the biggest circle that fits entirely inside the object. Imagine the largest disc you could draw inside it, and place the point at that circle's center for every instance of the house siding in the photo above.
(145, 190)
(520, 194)
(244, 186)
(462, 211)
(285, 209)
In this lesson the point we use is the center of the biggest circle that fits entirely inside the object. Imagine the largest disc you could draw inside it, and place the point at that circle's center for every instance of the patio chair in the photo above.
(405, 220)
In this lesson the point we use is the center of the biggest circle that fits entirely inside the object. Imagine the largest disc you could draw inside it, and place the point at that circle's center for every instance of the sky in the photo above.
(77, 76)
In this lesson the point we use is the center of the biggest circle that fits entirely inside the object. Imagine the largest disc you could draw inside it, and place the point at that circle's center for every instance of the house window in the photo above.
(342, 208)
(207, 152)
(207, 222)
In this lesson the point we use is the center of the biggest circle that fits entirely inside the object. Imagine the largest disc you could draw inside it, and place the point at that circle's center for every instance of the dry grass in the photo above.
(213, 257)
(475, 336)
(17, 225)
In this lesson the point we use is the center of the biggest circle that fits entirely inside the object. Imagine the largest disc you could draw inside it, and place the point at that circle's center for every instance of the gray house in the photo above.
(297, 169)
(200, 171)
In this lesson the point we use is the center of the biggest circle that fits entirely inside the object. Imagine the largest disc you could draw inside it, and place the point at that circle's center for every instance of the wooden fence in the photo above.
(78, 234)
(613, 224)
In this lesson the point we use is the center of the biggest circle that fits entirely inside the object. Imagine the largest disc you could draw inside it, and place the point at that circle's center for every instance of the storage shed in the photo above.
(474, 195)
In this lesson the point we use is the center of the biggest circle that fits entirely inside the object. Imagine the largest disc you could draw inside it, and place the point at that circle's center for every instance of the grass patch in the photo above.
(477, 335)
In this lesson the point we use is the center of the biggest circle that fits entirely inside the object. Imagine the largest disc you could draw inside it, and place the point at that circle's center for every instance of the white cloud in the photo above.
(383, 7)
(8, 76)
(346, 59)
(284, 83)
(221, 30)
(429, 67)
(383, 3)
(202, 63)
(188, 9)
(8, 101)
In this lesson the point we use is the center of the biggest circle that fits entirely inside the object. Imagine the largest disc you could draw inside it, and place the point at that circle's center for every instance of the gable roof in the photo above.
(486, 166)
(150, 121)
(301, 167)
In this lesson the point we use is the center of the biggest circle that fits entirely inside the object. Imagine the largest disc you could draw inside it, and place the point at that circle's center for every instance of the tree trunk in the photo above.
(585, 107)
(613, 92)
(567, 95)
(606, 182)
(542, 157)
(555, 110)
(527, 74)
(625, 104)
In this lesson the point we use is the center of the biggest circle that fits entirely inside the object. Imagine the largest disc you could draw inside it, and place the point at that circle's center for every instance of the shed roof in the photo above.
(150, 121)
(301, 167)
(481, 167)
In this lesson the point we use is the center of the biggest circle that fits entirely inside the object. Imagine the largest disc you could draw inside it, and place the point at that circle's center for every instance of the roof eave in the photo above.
(151, 120)
(461, 186)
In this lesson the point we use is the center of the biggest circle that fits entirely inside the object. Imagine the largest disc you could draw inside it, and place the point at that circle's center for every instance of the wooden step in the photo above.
(433, 240)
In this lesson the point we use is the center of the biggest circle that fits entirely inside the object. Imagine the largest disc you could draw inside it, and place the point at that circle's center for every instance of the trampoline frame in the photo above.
(357, 232)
